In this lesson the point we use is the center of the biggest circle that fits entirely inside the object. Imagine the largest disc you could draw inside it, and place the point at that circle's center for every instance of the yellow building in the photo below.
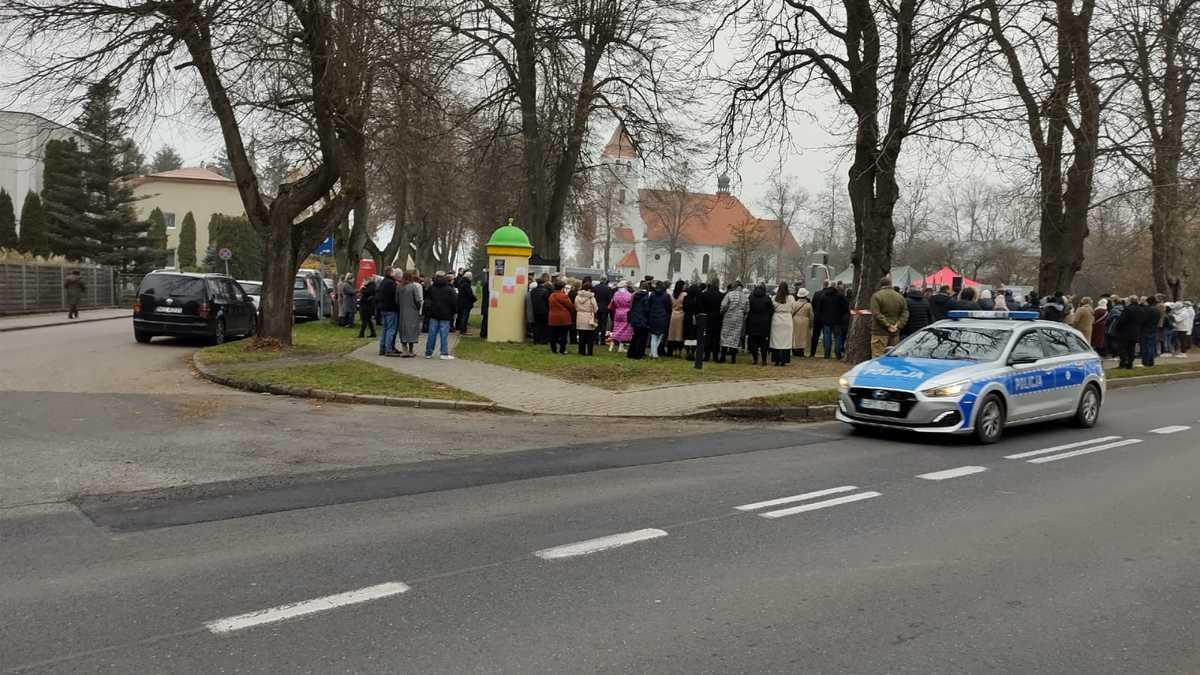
(177, 192)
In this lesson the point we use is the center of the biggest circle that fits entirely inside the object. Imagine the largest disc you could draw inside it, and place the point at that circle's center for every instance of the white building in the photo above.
(636, 216)
(23, 138)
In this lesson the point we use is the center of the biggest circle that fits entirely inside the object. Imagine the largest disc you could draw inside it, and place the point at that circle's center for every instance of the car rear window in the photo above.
(300, 285)
(172, 286)
(955, 342)
(250, 288)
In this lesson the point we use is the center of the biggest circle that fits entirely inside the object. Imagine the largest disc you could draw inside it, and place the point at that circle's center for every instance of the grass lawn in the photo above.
(614, 371)
(351, 376)
(310, 337)
(1160, 368)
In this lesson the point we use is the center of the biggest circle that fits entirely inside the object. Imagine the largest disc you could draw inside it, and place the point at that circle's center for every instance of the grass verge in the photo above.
(352, 377)
(612, 370)
(310, 337)
(800, 398)
(1161, 369)
(336, 372)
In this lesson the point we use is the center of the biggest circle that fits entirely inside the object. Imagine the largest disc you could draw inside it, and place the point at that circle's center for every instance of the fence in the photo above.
(38, 287)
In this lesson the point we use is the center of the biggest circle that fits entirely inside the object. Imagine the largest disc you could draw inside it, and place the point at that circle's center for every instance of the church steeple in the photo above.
(620, 146)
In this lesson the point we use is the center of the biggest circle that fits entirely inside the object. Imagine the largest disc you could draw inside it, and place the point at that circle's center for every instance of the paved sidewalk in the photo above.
(534, 393)
(27, 321)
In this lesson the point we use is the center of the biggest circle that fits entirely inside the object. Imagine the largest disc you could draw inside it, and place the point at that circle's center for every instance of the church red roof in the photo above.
(711, 222)
(629, 261)
(624, 234)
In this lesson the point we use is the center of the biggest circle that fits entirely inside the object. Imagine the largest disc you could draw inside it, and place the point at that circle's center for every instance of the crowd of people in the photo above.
(650, 319)
(404, 305)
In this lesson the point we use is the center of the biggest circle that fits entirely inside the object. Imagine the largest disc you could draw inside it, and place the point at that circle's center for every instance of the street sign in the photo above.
(225, 254)
(325, 247)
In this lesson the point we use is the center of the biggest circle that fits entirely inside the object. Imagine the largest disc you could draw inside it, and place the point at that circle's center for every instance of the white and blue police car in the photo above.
(977, 372)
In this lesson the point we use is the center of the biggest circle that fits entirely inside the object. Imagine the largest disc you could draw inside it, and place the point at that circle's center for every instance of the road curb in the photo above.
(210, 374)
(791, 413)
(64, 323)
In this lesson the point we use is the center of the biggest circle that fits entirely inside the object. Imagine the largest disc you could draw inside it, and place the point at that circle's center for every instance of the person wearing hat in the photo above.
(802, 323)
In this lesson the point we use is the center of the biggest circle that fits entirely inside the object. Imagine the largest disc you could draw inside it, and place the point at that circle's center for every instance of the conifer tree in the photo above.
(156, 236)
(108, 168)
(166, 159)
(64, 203)
(34, 226)
(8, 221)
(185, 255)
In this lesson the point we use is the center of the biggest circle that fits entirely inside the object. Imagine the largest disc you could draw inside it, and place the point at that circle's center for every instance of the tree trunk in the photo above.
(1168, 265)
(279, 273)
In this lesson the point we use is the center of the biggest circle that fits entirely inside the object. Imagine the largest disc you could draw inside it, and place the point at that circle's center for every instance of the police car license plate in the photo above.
(871, 404)
(169, 310)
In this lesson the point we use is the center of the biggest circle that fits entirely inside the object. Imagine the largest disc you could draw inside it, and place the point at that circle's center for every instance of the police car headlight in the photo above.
(843, 385)
(947, 390)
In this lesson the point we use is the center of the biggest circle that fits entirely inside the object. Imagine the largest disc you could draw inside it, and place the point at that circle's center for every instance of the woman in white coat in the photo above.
(781, 326)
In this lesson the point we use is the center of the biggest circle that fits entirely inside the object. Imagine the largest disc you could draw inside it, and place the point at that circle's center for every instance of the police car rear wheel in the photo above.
(1089, 408)
(989, 425)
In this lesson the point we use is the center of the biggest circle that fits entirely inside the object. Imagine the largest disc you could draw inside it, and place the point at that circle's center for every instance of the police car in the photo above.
(977, 373)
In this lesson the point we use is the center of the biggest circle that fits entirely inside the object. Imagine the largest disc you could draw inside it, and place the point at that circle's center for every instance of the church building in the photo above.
(636, 222)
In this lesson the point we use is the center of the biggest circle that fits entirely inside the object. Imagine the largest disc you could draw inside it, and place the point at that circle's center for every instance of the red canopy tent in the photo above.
(945, 277)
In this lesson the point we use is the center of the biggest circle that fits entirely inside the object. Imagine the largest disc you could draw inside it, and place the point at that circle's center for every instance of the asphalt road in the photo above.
(86, 410)
(1078, 559)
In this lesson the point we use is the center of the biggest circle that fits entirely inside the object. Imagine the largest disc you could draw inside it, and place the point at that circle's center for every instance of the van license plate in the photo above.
(871, 404)
(170, 310)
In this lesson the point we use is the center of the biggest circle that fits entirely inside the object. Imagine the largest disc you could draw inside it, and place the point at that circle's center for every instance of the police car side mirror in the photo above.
(1022, 360)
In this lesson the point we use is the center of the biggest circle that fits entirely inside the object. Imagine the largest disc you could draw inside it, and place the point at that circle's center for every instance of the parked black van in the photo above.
(185, 304)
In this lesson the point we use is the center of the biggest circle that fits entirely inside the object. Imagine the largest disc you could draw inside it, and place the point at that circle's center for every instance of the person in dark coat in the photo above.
(1054, 308)
(442, 302)
(466, 301)
(1148, 338)
(940, 304)
(659, 318)
(639, 320)
(1127, 329)
(818, 300)
(385, 298)
(710, 304)
(966, 300)
(835, 315)
(603, 292)
(73, 289)
(919, 313)
(758, 323)
(366, 308)
(691, 307)
(540, 299)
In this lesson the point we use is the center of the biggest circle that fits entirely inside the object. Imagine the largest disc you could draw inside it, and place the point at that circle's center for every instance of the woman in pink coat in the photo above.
(618, 307)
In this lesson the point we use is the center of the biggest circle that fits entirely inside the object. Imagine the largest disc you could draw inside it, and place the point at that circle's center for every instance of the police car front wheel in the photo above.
(1089, 408)
(989, 424)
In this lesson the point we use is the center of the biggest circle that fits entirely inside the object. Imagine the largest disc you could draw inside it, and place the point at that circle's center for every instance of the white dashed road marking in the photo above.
(1085, 451)
(1169, 430)
(296, 609)
(795, 498)
(820, 505)
(1057, 448)
(953, 473)
(598, 544)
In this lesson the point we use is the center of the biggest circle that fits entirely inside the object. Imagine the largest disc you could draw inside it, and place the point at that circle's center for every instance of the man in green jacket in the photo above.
(889, 313)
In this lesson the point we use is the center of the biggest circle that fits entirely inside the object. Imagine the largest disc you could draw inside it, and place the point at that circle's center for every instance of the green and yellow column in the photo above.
(508, 281)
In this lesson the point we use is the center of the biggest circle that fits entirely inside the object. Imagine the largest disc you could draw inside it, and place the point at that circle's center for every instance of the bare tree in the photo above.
(746, 244)
(675, 209)
(784, 201)
(1046, 48)
(240, 52)
(899, 66)
(553, 64)
(1154, 51)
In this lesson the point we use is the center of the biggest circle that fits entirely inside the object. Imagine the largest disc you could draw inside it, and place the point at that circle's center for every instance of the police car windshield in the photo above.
(955, 342)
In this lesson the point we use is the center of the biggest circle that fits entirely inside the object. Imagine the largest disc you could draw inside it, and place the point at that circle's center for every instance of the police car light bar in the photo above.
(997, 314)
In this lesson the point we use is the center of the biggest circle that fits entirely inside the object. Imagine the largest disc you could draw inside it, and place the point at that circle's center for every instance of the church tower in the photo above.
(620, 179)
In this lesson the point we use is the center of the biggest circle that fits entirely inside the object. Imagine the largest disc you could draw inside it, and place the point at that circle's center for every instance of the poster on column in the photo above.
(521, 276)
(509, 285)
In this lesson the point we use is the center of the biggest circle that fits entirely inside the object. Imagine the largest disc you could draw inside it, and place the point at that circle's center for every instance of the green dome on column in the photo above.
(510, 235)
